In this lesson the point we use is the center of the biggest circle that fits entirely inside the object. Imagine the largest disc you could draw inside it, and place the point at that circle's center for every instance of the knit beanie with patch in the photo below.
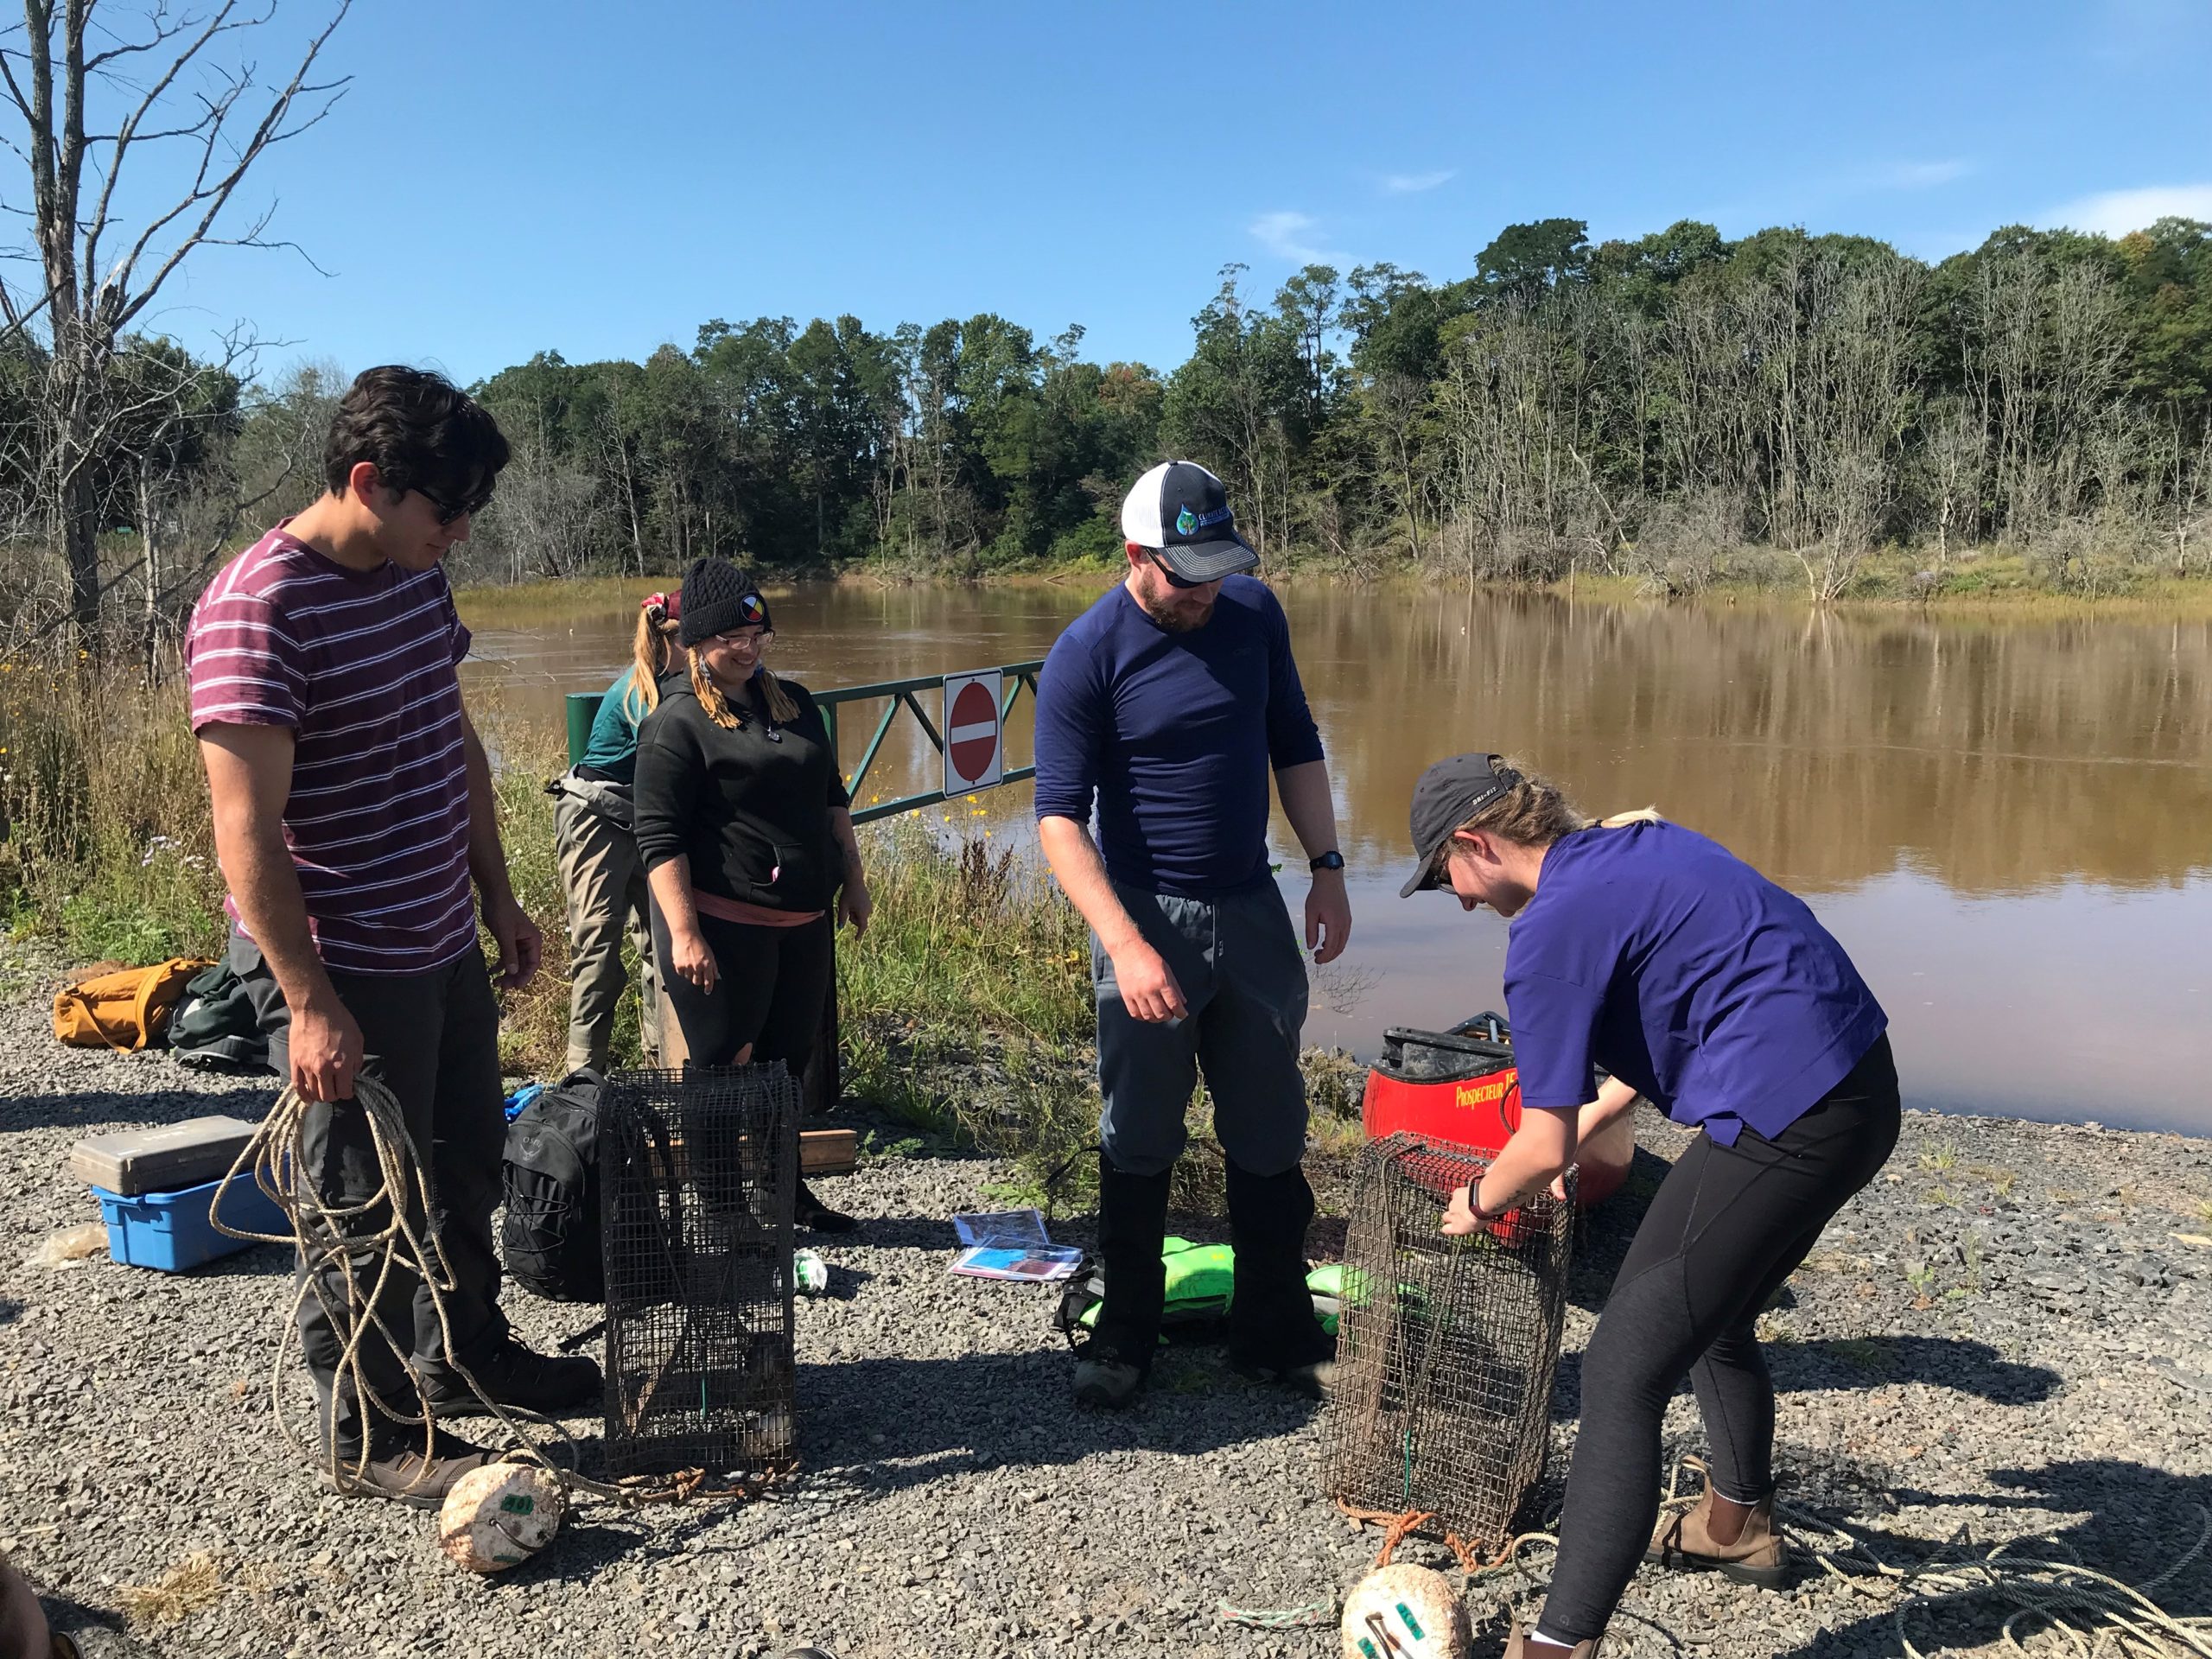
(719, 598)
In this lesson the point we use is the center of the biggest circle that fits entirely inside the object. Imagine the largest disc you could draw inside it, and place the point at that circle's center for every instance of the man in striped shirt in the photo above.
(354, 814)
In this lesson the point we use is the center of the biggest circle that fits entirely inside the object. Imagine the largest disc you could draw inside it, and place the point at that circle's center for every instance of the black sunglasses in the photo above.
(447, 510)
(1174, 581)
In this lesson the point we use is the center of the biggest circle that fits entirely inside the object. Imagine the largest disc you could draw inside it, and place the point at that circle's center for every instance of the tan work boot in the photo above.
(1760, 1556)
(398, 1470)
(1518, 1646)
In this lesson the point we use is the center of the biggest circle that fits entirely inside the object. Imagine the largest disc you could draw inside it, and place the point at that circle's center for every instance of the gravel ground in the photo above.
(2011, 1332)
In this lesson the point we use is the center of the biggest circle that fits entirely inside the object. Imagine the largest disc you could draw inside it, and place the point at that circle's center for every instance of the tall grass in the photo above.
(966, 1010)
(108, 848)
(109, 855)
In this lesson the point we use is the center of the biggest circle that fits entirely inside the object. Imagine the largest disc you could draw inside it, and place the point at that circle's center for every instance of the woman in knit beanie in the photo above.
(745, 832)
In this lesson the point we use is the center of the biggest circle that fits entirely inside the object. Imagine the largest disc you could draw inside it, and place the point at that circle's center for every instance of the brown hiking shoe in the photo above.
(1760, 1556)
(398, 1472)
(1517, 1646)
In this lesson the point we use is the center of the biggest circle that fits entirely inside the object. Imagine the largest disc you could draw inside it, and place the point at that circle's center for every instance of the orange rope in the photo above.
(1395, 1533)
(1397, 1526)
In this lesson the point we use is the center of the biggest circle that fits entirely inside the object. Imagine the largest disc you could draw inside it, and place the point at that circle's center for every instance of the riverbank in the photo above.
(2009, 1334)
(109, 856)
(1976, 581)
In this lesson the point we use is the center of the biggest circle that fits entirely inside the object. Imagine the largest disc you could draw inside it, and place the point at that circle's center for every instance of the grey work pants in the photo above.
(1243, 978)
(433, 1039)
(604, 883)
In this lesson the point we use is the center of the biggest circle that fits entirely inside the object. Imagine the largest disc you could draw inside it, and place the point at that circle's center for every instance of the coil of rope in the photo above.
(330, 1239)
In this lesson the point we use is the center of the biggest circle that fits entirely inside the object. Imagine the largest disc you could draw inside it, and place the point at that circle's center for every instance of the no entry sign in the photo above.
(974, 745)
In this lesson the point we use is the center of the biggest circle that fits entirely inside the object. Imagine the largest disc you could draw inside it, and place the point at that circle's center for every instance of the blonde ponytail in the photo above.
(651, 648)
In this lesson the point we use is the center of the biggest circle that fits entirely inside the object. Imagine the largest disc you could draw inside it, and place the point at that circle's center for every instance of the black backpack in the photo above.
(550, 1238)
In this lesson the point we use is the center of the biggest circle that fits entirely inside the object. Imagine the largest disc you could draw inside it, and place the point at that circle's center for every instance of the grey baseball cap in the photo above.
(1449, 793)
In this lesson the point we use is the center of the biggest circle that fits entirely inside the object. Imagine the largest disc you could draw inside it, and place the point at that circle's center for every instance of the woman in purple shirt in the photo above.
(1651, 953)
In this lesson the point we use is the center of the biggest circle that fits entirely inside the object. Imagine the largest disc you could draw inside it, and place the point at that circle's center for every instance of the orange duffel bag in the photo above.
(128, 1008)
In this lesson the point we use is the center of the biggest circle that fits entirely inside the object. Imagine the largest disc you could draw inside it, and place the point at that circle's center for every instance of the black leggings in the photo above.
(1728, 1225)
(770, 985)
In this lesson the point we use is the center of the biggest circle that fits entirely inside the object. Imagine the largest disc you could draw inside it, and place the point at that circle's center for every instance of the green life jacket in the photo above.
(1200, 1281)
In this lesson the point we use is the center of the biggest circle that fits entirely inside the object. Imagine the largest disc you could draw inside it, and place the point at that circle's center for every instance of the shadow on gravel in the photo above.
(260, 1261)
(99, 1634)
(2136, 1522)
(157, 1104)
(1968, 1366)
(1799, 1367)
(10, 1311)
(589, 1548)
(891, 1423)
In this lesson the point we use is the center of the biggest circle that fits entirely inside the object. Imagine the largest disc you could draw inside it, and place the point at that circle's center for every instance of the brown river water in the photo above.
(2007, 822)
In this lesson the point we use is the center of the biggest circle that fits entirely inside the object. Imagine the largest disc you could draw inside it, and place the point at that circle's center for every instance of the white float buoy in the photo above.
(500, 1515)
(1404, 1611)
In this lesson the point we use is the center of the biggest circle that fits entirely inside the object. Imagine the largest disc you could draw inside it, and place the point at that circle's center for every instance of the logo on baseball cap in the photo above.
(1449, 793)
(1180, 511)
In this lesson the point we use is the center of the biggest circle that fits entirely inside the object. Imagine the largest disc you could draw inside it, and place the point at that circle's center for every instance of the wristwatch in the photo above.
(1328, 860)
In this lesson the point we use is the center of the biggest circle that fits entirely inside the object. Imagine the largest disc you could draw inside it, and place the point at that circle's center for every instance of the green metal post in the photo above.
(583, 708)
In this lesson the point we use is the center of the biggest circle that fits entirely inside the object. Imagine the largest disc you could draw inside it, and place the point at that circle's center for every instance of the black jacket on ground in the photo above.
(752, 813)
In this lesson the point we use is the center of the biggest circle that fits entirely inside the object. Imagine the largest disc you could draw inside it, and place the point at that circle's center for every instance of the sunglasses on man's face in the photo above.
(1174, 581)
(448, 510)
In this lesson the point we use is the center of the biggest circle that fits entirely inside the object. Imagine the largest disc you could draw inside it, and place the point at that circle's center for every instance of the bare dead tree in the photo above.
(67, 70)
(1957, 448)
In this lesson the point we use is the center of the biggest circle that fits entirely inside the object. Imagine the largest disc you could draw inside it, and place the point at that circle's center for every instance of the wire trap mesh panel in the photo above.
(698, 1170)
(1446, 1347)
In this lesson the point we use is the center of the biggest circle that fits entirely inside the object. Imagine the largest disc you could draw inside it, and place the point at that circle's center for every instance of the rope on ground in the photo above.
(330, 1239)
(1398, 1525)
(2047, 1590)
(1314, 1614)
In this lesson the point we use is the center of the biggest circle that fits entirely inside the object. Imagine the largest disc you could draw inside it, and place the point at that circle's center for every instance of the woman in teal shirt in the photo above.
(597, 847)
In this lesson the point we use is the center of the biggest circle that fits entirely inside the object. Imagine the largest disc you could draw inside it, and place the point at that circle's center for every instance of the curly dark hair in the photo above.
(421, 432)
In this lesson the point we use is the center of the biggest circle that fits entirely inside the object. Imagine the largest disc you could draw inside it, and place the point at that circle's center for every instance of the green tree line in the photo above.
(1678, 409)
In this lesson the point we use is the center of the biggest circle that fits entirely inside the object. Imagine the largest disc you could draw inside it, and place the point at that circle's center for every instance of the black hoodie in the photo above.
(750, 806)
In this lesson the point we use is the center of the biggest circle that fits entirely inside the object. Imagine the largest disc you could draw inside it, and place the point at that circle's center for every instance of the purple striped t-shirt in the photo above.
(360, 665)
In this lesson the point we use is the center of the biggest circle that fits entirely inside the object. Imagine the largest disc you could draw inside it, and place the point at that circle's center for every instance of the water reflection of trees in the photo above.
(1995, 754)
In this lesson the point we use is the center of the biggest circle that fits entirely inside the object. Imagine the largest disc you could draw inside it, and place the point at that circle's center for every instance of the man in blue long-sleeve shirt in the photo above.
(1169, 702)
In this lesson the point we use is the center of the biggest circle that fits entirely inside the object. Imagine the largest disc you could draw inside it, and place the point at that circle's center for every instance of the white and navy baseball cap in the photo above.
(1180, 511)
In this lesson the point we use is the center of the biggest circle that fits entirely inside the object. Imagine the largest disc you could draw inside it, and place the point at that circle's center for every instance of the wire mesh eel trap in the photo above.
(698, 1173)
(1446, 1347)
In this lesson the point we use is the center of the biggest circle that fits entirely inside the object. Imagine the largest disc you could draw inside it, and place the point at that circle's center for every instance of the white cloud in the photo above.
(1877, 176)
(1405, 184)
(1925, 175)
(2116, 213)
(1292, 236)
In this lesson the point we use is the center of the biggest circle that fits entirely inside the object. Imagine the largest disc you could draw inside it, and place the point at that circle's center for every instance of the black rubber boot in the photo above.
(1132, 1221)
(1274, 1333)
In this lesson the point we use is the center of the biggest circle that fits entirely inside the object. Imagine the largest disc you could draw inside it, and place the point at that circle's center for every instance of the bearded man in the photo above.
(1168, 703)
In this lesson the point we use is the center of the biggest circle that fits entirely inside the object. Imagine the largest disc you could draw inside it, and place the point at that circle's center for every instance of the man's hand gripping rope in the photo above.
(328, 1239)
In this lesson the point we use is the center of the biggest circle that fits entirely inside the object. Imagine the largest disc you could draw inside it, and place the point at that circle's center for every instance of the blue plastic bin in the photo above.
(171, 1231)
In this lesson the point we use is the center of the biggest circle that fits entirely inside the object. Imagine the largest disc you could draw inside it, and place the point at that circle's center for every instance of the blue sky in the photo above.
(503, 178)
